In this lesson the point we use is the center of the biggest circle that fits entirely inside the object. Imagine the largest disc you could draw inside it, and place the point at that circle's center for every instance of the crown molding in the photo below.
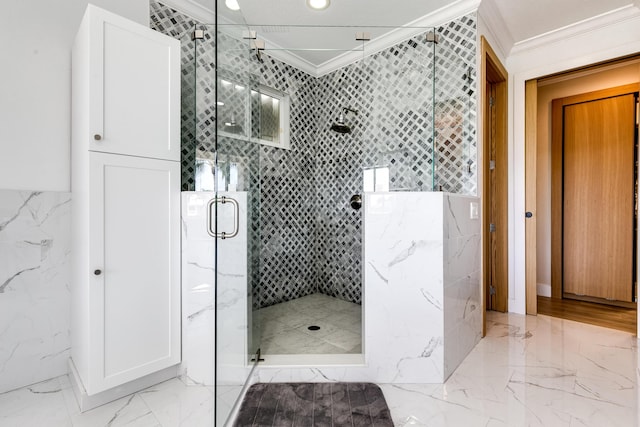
(418, 26)
(193, 9)
(398, 35)
(579, 28)
(290, 59)
(206, 16)
(495, 25)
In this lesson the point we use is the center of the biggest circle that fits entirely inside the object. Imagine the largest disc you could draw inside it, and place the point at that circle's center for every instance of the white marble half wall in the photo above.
(462, 279)
(422, 312)
(422, 284)
(198, 281)
(34, 286)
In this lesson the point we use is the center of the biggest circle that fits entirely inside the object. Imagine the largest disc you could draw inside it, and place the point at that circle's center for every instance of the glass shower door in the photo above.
(236, 190)
(224, 174)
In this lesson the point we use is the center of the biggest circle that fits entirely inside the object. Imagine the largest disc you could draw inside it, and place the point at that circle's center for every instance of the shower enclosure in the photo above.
(277, 155)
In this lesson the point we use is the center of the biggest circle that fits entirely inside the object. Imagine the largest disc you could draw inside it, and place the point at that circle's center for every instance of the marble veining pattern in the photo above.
(419, 320)
(310, 240)
(34, 286)
(527, 371)
(198, 300)
(198, 292)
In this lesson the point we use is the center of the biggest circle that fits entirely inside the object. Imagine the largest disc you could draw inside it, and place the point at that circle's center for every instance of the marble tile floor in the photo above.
(531, 371)
(52, 404)
(284, 326)
(528, 371)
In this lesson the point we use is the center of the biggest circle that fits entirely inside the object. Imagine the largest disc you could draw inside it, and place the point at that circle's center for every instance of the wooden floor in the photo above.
(623, 319)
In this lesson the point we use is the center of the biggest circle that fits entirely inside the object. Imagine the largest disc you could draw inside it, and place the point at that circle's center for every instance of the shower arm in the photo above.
(345, 109)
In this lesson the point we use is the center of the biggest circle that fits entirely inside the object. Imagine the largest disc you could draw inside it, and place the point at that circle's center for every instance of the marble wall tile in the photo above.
(404, 303)
(198, 301)
(34, 286)
(420, 319)
(314, 242)
(462, 307)
(198, 280)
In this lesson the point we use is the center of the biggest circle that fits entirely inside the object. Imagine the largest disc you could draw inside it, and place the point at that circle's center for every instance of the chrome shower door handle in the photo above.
(211, 226)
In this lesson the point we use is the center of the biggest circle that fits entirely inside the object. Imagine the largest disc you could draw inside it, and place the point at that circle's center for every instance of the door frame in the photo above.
(530, 196)
(493, 72)
(528, 82)
(557, 176)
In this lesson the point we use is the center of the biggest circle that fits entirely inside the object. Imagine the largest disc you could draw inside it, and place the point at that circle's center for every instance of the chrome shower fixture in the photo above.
(340, 126)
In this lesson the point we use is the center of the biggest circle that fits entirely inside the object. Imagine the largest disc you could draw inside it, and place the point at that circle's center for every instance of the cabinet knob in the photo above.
(97, 137)
(97, 272)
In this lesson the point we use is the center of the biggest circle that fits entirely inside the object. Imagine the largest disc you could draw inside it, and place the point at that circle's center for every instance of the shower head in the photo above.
(340, 126)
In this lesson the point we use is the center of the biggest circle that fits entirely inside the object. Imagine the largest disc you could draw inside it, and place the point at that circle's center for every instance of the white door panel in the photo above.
(135, 239)
(134, 87)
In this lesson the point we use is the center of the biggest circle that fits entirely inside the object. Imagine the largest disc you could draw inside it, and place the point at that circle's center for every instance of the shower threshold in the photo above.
(311, 360)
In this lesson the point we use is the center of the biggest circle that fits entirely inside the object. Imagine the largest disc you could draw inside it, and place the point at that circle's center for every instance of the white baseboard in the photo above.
(543, 289)
(86, 402)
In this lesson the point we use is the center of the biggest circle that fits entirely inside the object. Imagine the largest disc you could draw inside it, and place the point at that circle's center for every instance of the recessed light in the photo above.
(232, 4)
(318, 4)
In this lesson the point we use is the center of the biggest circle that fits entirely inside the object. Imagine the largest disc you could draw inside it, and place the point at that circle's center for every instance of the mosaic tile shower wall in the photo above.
(306, 237)
(394, 93)
(167, 21)
(280, 182)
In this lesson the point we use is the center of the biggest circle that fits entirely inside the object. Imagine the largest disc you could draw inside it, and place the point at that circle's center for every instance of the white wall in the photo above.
(35, 87)
(607, 39)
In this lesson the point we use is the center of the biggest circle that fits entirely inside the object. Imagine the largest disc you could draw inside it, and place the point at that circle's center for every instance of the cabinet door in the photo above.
(135, 88)
(135, 245)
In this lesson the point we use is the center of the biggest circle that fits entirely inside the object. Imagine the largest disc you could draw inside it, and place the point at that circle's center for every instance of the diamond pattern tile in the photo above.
(416, 115)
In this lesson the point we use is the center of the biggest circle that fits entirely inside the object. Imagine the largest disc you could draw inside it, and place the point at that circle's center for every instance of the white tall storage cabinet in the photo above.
(126, 204)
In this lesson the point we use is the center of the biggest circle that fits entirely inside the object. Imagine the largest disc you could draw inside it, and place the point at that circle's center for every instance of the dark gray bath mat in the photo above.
(314, 404)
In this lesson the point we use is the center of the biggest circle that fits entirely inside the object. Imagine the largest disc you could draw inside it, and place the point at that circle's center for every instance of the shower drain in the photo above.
(313, 328)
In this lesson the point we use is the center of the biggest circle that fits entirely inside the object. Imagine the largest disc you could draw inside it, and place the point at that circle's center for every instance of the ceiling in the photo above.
(525, 19)
(315, 39)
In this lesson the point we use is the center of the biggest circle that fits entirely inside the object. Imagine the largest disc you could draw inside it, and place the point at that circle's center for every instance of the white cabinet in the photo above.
(133, 87)
(125, 279)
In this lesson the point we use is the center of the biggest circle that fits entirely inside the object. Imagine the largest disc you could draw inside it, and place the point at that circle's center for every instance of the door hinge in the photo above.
(257, 358)
(492, 165)
(492, 228)
(492, 290)
(492, 101)
(197, 35)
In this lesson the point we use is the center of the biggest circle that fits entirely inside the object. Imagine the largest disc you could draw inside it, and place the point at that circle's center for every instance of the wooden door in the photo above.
(495, 254)
(598, 201)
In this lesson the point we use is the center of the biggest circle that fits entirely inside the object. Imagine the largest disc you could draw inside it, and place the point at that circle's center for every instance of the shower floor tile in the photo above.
(284, 326)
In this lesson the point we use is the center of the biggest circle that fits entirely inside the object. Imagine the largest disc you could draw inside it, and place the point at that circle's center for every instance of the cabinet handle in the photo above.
(97, 272)
(97, 137)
